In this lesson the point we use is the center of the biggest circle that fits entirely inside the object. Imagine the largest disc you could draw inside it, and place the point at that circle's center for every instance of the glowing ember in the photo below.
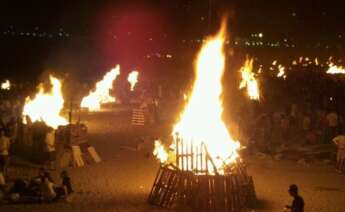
(249, 81)
(133, 79)
(46, 106)
(6, 85)
(281, 71)
(333, 69)
(200, 123)
(101, 95)
(159, 152)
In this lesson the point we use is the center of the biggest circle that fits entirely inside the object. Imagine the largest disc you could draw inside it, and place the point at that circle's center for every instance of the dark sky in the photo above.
(295, 17)
(92, 24)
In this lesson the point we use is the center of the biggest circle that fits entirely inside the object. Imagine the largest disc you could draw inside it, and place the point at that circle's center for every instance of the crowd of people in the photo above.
(293, 127)
(38, 189)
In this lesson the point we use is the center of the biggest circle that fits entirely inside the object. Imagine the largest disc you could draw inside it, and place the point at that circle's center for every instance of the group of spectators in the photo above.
(40, 188)
(295, 127)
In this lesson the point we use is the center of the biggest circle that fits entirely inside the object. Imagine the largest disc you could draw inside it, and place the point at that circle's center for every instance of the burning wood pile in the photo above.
(202, 170)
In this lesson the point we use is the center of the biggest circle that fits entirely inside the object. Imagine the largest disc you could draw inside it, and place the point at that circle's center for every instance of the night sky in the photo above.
(98, 27)
(293, 17)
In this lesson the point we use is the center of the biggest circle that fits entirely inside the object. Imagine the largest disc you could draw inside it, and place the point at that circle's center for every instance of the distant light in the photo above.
(6, 85)
(168, 56)
(260, 35)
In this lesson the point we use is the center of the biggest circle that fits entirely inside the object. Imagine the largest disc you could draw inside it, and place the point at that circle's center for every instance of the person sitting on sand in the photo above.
(298, 202)
(66, 188)
(36, 182)
(47, 188)
(66, 182)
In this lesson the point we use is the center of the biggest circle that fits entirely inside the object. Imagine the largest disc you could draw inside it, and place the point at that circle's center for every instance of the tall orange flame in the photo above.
(201, 122)
(101, 94)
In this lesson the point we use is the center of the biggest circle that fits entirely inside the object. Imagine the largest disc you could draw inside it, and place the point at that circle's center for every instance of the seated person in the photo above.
(47, 188)
(66, 188)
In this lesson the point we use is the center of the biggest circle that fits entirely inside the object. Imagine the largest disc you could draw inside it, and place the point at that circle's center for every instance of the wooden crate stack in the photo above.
(191, 184)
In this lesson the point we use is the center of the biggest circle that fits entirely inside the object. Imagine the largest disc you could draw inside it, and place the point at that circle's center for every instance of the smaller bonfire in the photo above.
(202, 170)
(101, 94)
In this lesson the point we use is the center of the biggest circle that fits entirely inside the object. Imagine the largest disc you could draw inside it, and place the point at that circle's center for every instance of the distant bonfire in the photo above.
(101, 94)
(46, 106)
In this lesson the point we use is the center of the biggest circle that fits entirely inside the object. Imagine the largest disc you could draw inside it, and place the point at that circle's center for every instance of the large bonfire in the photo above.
(101, 94)
(201, 124)
(46, 106)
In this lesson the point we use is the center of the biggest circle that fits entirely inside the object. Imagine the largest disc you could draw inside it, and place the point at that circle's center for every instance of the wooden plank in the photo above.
(77, 156)
(94, 155)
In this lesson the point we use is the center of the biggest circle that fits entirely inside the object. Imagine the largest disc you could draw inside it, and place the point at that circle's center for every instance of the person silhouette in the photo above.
(298, 202)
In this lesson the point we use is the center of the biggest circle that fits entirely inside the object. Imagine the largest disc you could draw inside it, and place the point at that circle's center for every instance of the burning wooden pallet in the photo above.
(192, 183)
(209, 193)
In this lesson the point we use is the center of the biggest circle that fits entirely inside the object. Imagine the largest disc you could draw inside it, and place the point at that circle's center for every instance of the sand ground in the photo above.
(123, 180)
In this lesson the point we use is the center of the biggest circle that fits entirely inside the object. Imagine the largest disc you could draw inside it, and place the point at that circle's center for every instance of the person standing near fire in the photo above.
(4, 151)
(340, 142)
(49, 149)
(297, 203)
